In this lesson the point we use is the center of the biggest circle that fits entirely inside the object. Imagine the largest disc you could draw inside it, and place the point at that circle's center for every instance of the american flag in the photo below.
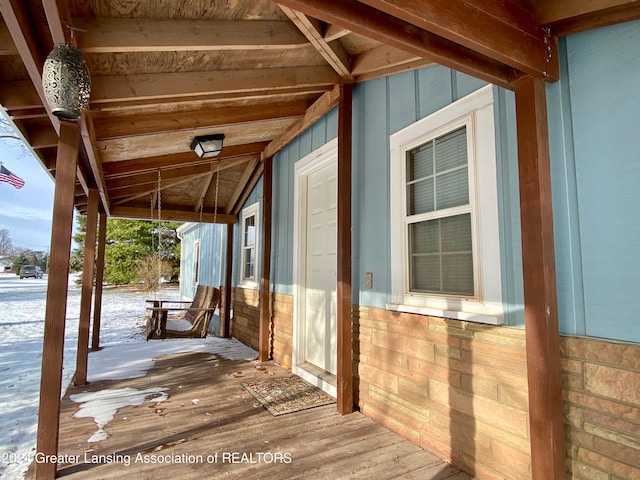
(9, 177)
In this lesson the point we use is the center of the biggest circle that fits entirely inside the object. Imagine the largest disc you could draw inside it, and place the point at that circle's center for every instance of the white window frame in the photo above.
(196, 262)
(244, 281)
(474, 111)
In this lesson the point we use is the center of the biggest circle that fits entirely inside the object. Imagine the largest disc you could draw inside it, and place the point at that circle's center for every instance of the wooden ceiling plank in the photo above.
(127, 194)
(333, 52)
(176, 142)
(321, 106)
(104, 35)
(113, 88)
(108, 126)
(165, 176)
(42, 137)
(372, 23)
(19, 95)
(128, 167)
(122, 211)
(241, 184)
(8, 47)
(501, 30)
(380, 58)
(260, 94)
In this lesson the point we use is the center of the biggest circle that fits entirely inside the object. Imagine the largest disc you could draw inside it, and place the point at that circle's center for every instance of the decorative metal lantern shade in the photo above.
(66, 81)
(207, 146)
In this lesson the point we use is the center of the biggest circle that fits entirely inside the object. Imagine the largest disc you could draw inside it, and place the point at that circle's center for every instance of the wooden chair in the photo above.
(194, 321)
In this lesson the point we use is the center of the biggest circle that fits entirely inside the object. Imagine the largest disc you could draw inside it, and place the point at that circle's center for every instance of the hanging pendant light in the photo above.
(66, 81)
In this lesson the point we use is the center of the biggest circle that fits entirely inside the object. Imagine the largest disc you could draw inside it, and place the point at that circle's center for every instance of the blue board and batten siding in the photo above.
(595, 156)
(595, 178)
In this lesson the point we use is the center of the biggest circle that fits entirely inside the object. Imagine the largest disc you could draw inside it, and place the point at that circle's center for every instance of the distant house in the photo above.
(5, 264)
(438, 299)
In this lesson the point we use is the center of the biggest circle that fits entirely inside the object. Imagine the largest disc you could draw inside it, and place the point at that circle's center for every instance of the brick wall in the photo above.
(246, 316)
(457, 389)
(602, 408)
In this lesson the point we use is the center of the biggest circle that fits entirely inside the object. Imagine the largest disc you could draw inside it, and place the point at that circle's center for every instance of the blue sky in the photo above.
(26, 212)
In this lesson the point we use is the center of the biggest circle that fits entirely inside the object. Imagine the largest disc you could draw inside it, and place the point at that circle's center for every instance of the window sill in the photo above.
(456, 315)
(248, 285)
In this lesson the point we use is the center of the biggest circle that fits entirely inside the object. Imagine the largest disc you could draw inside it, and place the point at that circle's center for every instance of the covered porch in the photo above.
(211, 427)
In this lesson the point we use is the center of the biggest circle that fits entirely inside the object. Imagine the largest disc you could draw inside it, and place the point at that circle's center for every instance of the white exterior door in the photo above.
(320, 278)
(314, 268)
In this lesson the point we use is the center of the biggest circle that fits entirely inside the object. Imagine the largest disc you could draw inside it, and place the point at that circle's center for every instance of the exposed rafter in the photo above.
(332, 52)
(375, 24)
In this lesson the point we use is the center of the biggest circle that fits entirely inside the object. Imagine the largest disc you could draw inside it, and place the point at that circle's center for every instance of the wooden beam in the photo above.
(321, 106)
(184, 159)
(124, 195)
(264, 335)
(255, 176)
(59, 18)
(113, 88)
(501, 30)
(333, 52)
(344, 379)
(97, 305)
(89, 141)
(548, 12)
(170, 213)
(246, 175)
(82, 352)
(103, 35)
(380, 58)
(540, 294)
(334, 32)
(56, 305)
(597, 19)
(401, 67)
(27, 113)
(145, 146)
(117, 126)
(373, 23)
(206, 183)
(225, 325)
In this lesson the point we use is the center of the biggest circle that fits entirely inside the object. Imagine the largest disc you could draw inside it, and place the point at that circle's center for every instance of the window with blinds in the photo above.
(249, 246)
(438, 219)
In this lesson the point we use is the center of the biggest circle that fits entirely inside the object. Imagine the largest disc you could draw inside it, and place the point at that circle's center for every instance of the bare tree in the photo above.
(6, 246)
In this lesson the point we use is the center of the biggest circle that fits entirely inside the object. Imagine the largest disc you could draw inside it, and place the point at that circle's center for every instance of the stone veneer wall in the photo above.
(245, 324)
(602, 408)
(282, 325)
(457, 389)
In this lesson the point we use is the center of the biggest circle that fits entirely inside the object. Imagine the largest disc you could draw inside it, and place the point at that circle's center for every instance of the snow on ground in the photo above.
(126, 355)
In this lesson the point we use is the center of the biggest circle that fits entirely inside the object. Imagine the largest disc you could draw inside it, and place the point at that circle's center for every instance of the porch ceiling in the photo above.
(256, 70)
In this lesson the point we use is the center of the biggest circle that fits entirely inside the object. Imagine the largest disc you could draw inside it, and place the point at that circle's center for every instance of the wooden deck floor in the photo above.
(209, 413)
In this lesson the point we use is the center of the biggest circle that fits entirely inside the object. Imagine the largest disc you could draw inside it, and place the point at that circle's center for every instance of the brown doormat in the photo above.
(287, 395)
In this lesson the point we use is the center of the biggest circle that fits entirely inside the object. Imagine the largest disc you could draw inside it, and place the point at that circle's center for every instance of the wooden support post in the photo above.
(540, 295)
(264, 342)
(97, 304)
(82, 353)
(56, 306)
(345, 334)
(225, 327)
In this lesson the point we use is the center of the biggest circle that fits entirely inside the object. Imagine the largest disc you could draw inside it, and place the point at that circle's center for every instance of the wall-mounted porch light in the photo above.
(66, 81)
(207, 146)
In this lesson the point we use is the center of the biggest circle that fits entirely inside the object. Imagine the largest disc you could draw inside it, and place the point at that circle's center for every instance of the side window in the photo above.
(249, 246)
